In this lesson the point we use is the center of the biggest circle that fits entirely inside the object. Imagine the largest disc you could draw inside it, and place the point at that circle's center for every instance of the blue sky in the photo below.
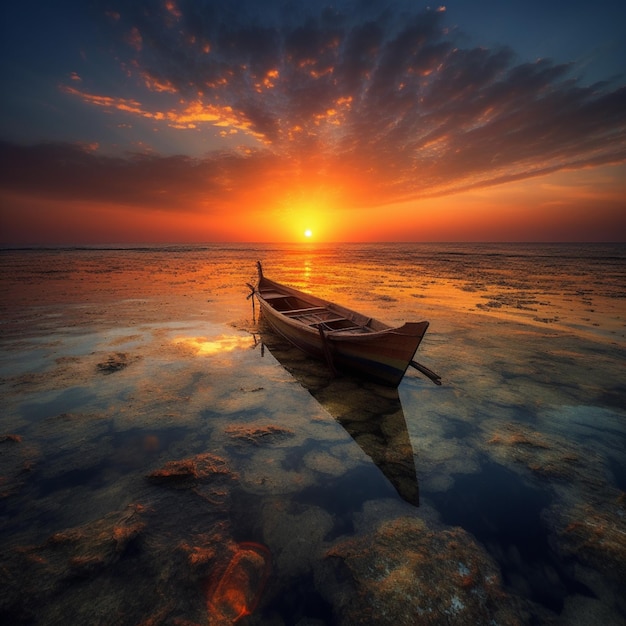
(45, 43)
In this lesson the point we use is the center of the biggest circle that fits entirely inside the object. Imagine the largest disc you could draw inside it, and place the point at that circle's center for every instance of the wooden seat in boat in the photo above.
(295, 312)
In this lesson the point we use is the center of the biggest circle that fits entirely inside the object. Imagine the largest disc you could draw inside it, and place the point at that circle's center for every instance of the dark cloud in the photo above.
(75, 172)
(379, 100)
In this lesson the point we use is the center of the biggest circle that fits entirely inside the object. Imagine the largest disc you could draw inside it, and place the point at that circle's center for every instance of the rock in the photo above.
(38, 577)
(407, 574)
(596, 535)
(258, 434)
(114, 363)
(188, 472)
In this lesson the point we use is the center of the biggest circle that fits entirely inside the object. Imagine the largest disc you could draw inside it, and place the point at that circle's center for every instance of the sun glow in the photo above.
(308, 233)
(215, 345)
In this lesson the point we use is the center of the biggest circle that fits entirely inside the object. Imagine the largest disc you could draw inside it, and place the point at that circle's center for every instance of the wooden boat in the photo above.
(345, 339)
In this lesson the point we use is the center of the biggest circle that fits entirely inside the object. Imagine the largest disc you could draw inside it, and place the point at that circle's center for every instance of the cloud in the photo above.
(375, 100)
(190, 115)
(147, 182)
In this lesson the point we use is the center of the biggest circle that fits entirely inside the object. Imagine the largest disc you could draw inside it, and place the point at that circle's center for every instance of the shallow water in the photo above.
(165, 459)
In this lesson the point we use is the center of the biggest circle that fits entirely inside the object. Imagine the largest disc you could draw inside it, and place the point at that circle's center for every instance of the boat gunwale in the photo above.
(383, 353)
(336, 334)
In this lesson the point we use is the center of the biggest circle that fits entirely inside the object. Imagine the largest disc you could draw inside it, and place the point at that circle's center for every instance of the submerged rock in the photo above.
(10, 438)
(545, 455)
(596, 535)
(259, 434)
(115, 363)
(189, 472)
(16, 463)
(407, 574)
(37, 578)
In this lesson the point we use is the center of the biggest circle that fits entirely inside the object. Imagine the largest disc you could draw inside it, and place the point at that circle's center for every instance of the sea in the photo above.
(166, 459)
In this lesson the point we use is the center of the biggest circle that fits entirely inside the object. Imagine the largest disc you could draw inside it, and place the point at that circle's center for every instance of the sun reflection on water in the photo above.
(205, 346)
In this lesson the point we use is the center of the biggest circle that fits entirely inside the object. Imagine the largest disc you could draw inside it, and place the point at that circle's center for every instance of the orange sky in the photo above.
(585, 205)
(169, 126)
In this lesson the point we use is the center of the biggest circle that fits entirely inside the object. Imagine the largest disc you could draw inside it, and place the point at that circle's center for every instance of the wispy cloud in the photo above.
(189, 115)
(375, 100)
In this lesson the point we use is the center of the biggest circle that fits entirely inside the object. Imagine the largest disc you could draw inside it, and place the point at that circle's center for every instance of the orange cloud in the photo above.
(172, 7)
(189, 116)
(162, 86)
(134, 39)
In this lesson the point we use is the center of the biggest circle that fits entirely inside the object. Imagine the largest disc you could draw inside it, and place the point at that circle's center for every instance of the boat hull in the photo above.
(381, 356)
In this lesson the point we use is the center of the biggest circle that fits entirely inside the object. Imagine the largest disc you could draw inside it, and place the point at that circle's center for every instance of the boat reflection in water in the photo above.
(370, 413)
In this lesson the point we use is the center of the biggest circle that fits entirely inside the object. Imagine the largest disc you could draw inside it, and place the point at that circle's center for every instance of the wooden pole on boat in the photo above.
(327, 353)
(428, 373)
(251, 295)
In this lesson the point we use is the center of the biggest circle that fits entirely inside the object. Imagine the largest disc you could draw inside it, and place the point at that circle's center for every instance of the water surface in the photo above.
(164, 460)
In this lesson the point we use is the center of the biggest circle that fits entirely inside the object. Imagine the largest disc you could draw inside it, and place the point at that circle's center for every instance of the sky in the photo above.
(137, 121)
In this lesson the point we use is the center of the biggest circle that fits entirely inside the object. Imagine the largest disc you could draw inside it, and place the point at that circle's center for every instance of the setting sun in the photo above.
(308, 233)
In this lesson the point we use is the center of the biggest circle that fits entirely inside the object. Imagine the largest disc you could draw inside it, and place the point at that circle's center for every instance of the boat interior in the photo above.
(314, 315)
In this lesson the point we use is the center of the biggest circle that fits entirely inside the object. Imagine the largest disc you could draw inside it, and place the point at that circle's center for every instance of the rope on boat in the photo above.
(327, 353)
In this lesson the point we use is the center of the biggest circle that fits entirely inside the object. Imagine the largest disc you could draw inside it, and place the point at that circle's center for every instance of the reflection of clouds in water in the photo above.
(443, 432)
(316, 446)
(597, 438)
(204, 346)
(300, 534)
(325, 463)
(587, 423)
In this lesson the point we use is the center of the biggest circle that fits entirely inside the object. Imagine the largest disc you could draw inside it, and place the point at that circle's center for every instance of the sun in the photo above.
(308, 233)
